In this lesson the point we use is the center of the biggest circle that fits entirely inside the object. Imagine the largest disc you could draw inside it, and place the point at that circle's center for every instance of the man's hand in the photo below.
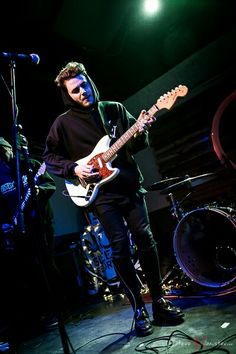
(144, 120)
(87, 173)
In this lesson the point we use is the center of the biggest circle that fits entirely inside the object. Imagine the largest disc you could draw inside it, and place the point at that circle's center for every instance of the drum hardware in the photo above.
(231, 212)
(226, 258)
(176, 209)
(176, 279)
(189, 183)
(164, 183)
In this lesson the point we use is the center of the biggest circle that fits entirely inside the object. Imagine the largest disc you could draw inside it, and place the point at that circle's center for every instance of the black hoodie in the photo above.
(74, 134)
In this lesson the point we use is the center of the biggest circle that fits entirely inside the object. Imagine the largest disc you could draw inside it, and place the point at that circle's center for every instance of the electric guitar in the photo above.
(82, 193)
(40, 172)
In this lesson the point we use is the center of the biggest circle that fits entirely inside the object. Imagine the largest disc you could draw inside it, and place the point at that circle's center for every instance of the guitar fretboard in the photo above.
(111, 152)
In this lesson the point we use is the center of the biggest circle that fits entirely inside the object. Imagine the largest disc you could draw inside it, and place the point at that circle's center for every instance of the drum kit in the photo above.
(204, 240)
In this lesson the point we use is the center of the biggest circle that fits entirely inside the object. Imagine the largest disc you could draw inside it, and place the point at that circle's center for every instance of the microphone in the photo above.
(31, 58)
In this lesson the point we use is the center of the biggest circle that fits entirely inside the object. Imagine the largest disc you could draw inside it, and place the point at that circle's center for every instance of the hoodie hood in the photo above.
(70, 103)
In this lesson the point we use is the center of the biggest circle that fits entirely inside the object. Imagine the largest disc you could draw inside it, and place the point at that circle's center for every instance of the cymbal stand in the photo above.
(178, 214)
(176, 210)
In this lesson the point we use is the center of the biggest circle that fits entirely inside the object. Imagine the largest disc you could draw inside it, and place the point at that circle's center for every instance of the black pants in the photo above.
(117, 216)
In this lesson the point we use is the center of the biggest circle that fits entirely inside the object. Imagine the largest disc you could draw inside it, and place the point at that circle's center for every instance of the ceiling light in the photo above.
(151, 6)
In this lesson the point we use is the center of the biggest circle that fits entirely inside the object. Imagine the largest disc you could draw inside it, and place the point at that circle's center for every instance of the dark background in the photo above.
(128, 55)
(122, 48)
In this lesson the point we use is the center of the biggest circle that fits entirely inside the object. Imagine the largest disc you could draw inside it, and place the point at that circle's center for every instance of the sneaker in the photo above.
(143, 326)
(164, 311)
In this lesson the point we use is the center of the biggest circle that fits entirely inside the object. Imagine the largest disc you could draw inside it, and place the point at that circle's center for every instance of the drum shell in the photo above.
(204, 245)
(223, 133)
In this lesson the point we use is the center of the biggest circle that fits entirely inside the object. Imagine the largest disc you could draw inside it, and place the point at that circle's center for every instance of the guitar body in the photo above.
(83, 194)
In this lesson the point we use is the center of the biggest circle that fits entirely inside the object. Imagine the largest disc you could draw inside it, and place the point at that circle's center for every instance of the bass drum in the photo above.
(205, 246)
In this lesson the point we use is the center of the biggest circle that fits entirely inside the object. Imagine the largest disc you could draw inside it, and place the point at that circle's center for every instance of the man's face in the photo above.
(6, 153)
(80, 90)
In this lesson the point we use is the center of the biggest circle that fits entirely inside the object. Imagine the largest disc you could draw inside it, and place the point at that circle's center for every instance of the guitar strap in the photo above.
(103, 111)
(111, 120)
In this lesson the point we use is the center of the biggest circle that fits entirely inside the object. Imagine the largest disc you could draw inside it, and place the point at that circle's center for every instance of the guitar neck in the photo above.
(111, 152)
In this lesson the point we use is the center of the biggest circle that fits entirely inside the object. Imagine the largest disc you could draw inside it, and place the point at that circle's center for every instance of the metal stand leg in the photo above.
(175, 277)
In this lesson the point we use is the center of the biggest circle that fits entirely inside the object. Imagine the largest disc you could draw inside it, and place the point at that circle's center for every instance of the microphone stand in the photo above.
(20, 216)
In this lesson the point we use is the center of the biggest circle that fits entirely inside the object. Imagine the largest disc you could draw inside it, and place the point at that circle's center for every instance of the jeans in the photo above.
(118, 214)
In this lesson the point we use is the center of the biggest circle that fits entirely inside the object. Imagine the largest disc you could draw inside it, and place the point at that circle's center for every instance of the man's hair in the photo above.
(71, 70)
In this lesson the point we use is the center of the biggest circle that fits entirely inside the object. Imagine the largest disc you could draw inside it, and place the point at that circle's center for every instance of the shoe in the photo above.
(165, 312)
(143, 326)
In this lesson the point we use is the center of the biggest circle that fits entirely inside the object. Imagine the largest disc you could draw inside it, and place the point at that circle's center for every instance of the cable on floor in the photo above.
(148, 345)
(151, 345)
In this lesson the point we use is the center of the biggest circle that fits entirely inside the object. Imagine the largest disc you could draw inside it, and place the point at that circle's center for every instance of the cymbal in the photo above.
(190, 182)
(163, 183)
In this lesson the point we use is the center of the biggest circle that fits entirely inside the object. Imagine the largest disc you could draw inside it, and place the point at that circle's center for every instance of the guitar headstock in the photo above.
(169, 98)
(42, 169)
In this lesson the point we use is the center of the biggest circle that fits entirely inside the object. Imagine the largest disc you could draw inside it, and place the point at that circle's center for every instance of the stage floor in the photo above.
(107, 327)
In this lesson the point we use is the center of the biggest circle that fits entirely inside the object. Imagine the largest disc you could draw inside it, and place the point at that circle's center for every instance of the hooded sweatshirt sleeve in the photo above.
(55, 154)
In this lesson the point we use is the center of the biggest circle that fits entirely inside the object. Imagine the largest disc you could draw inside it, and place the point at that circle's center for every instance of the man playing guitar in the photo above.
(91, 146)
